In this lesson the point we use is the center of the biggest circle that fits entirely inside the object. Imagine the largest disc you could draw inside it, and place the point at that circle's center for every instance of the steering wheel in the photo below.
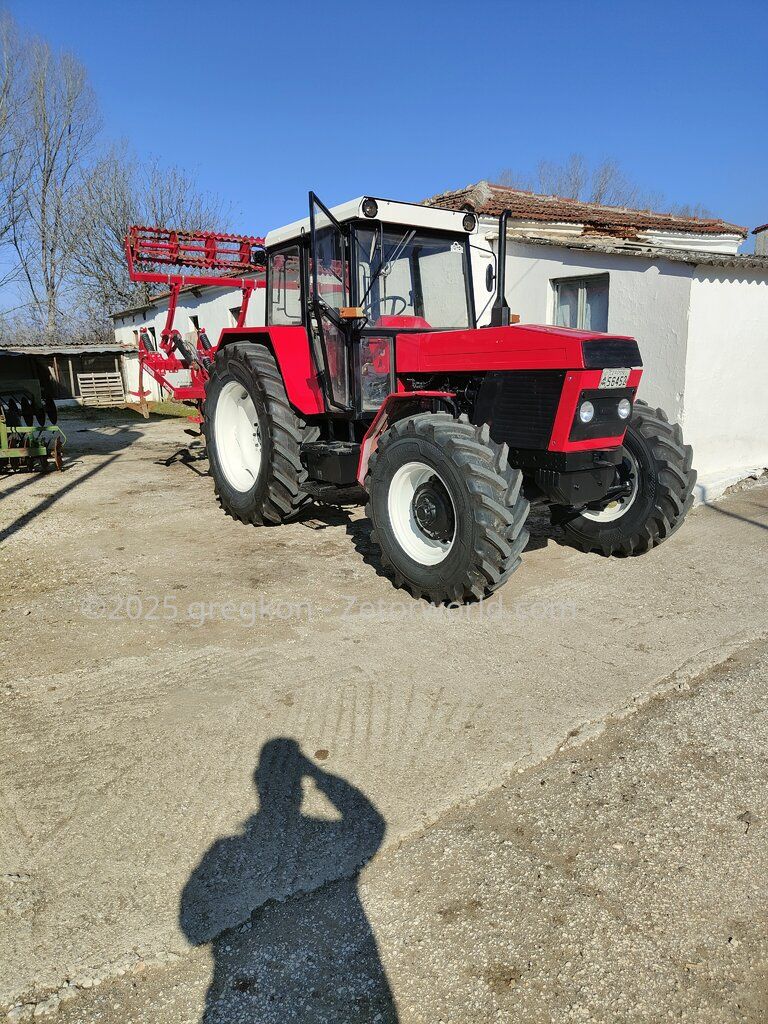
(395, 299)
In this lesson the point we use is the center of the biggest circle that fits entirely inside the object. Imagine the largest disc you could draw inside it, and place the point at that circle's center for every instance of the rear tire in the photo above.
(253, 437)
(660, 466)
(470, 539)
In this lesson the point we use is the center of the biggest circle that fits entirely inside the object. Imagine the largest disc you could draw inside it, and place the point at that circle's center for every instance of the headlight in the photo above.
(586, 412)
(469, 222)
(370, 207)
(624, 408)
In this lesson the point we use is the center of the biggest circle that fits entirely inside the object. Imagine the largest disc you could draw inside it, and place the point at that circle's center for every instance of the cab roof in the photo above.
(389, 212)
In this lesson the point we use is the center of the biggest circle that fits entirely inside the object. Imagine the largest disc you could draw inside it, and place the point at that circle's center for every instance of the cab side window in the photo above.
(285, 287)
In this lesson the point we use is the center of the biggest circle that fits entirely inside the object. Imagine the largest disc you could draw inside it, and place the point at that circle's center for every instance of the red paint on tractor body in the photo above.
(383, 418)
(218, 259)
(293, 353)
(575, 382)
(520, 347)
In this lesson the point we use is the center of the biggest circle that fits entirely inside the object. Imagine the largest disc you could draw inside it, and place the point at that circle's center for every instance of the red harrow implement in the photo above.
(229, 261)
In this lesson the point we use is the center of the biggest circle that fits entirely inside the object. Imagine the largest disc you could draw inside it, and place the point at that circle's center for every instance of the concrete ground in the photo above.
(207, 729)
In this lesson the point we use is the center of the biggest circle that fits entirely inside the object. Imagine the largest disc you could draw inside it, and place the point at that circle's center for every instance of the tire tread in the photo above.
(495, 490)
(674, 494)
(284, 495)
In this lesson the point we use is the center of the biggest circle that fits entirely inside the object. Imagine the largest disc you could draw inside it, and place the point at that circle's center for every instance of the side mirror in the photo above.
(490, 277)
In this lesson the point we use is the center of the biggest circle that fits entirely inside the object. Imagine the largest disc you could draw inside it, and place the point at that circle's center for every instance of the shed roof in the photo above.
(44, 348)
(484, 197)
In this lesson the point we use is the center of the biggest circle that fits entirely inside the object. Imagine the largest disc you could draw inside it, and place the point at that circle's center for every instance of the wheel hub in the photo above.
(433, 510)
(237, 436)
(622, 495)
(421, 513)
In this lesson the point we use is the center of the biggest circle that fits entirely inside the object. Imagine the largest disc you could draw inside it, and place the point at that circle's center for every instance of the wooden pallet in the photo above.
(104, 389)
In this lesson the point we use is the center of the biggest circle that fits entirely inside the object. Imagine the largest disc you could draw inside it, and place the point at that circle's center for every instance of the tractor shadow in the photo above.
(541, 530)
(278, 902)
(193, 457)
(359, 529)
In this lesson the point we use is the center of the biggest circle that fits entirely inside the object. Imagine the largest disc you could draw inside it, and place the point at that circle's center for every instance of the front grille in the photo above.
(520, 405)
(607, 353)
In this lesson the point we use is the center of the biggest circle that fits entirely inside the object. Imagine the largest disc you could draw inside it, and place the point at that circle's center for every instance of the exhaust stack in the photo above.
(500, 313)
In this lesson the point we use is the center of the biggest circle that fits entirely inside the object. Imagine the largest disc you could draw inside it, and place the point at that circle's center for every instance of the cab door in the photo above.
(329, 286)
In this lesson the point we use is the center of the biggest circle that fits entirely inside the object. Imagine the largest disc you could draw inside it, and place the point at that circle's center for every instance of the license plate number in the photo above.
(613, 378)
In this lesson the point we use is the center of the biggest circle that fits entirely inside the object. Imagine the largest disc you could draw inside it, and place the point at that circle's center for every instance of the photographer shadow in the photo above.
(278, 904)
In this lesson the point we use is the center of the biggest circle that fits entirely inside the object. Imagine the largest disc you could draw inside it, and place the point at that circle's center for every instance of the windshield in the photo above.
(406, 272)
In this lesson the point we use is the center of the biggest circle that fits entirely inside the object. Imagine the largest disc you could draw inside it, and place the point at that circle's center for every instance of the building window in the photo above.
(582, 302)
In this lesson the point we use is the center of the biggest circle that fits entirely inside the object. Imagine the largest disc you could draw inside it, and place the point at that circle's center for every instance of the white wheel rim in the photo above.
(619, 506)
(237, 436)
(417, 544)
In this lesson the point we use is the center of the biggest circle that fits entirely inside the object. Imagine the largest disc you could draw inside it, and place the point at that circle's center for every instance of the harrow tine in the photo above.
(50, 409)
(27, 410)
(13, 413)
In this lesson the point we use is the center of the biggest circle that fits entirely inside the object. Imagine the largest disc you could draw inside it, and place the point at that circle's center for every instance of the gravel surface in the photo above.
(208, 731)
(621, 880)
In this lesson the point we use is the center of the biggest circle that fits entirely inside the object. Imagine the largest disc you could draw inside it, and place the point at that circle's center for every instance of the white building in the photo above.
(698, 309)
(211, 308)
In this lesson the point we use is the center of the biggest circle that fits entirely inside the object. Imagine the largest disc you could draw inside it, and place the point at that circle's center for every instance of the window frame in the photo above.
(281, 251)
(384, 226)
(582, 280)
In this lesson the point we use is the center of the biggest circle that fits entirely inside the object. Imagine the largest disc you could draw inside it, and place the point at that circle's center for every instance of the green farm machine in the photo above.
(29, 435)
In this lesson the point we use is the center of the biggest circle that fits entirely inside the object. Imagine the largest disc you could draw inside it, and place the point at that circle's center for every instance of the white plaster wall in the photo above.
(726, 400)
(647, 299)
(213, 309)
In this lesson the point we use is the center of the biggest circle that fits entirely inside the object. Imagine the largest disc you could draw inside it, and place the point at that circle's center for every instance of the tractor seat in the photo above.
(403, 322)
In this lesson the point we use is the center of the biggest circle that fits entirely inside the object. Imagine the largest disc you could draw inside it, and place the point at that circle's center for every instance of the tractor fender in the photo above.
(291, 349)
(393, 408)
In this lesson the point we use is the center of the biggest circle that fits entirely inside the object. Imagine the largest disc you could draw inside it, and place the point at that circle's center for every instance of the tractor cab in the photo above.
(358, 276)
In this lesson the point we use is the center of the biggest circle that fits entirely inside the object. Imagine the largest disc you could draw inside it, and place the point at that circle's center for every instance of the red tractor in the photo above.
(370, 378)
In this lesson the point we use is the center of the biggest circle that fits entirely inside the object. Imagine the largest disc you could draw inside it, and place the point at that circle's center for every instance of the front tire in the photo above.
(253, 437)
(657, 465)
(447, 510)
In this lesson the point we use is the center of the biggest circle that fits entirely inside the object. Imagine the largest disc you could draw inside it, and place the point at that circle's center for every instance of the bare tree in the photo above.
(691, 210)
(66, 203)
(13, 102)
(56, 137)
(603, 183)
(119, 191)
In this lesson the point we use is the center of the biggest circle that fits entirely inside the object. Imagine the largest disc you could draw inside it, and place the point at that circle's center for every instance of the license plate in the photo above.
(613, 378)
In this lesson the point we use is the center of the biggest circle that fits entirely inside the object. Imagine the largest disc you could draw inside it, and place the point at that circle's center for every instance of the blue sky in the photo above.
(267, 100)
